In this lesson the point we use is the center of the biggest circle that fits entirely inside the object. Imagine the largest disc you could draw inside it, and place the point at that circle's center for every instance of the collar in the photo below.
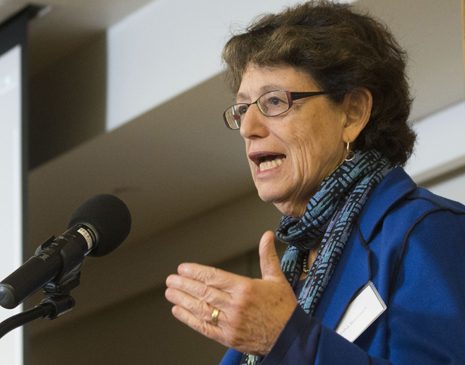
(395, 186)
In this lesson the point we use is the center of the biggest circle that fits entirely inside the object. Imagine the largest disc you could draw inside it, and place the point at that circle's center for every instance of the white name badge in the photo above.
(361, 313)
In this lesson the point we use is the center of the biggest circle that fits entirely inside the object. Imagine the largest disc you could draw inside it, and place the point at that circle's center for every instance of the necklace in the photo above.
(305, 267)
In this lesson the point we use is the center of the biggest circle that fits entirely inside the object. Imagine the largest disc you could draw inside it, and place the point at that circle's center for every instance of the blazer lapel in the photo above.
(353, 270)
(351, 274)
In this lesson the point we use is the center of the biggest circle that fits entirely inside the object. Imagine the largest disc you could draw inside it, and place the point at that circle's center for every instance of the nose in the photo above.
(254, 124)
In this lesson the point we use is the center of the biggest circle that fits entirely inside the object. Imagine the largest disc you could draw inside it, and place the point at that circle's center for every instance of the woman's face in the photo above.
(290, 154)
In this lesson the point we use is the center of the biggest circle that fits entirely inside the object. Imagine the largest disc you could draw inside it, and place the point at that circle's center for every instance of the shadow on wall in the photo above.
(67, 102)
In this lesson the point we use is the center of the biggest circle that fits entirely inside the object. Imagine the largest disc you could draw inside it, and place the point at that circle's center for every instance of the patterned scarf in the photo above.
(329, 219)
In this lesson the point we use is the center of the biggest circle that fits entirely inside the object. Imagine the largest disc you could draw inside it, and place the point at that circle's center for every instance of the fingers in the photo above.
(208, 275)
(204, 327)
(198, 315)
(269, 259)
(198, 308)
(198, 290)
(195, 297)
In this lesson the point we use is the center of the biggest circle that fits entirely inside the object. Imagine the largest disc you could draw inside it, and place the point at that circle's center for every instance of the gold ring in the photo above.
(215, 315)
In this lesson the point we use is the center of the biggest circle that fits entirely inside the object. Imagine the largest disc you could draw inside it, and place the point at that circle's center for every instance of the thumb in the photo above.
(269, 260)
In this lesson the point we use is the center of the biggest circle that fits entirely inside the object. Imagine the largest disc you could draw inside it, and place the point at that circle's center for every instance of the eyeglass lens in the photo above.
(270, 104)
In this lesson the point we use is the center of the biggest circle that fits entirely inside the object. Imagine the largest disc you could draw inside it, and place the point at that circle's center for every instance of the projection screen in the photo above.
(12, 164)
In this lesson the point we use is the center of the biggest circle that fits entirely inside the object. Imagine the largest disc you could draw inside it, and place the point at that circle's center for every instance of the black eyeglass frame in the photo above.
(291, 97)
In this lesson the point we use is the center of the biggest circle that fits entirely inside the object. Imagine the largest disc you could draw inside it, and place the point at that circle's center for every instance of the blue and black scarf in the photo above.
(328, 221)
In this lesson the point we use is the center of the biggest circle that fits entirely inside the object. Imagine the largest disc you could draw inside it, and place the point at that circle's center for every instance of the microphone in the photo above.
(96, 228)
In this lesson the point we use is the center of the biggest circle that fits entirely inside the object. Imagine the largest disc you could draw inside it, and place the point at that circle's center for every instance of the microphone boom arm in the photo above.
(57, 302)
(50, 308)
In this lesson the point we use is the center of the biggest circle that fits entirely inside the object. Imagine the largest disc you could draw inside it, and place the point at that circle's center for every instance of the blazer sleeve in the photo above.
(425, 320)
(305, 341)
(426, 323)
(231, 357)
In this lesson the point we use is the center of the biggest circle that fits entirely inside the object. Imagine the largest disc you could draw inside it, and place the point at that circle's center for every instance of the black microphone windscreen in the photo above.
(109, 216)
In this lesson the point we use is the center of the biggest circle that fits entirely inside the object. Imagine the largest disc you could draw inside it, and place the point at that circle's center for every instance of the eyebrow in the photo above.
(264, 89)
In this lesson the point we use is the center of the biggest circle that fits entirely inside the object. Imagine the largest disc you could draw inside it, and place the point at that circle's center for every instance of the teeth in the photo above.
(268, 165)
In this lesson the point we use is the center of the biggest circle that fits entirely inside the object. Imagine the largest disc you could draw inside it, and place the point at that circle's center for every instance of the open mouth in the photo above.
(266, 160)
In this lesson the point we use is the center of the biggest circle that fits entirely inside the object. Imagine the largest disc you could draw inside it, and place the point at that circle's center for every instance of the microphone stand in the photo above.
(57, 301)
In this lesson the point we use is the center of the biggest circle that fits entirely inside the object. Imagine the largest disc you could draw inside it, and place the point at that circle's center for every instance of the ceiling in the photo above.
(66, 25)
(420, 26)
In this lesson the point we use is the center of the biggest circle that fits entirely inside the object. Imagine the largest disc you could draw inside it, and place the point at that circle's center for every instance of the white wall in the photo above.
(439, 157)
(440, 145)
(11, 194)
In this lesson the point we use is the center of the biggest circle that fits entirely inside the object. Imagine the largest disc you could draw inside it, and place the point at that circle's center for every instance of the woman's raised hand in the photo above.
(236, 311)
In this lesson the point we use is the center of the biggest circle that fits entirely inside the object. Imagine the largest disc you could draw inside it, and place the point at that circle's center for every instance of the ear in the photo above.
(357, 107)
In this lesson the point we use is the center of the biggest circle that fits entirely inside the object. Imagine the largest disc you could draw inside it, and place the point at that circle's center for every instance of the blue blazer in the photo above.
(411, 244)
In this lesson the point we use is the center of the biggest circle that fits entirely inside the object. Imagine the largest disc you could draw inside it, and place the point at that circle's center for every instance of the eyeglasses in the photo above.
(270, 104)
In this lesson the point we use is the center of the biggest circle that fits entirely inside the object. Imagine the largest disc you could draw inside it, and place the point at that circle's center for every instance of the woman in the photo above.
(373, 269)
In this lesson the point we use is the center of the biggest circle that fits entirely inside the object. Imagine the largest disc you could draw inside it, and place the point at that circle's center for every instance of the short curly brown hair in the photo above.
(341, 50)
